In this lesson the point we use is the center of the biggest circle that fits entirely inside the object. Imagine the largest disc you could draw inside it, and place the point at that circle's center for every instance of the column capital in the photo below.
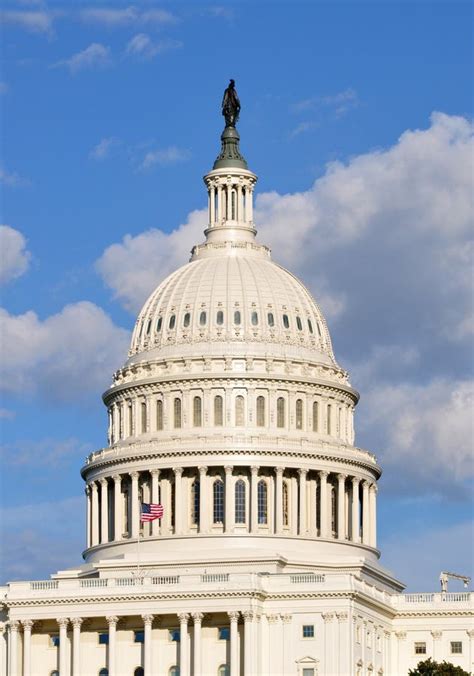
(63, 621)
(470, 633)
(401, 635)
(328, 617)
(183, 618)
(93, 486)
(76, 621)
(178, 471)
(355, 480)
(103, 481)
(286, 618)
(117, 478)
(323, 473)
(134, 476)
(13, 625)
(197, 617)
(234, 615)
(87, 490)
(155, 472)
(202, 469)
(373, 488)
(435, 634)
(342, 477)
(342, 616)
(228, 469)
(254, 470)
(279, 471)
(302, 471)
(27, 624)
(248, 615)
(273, 618)
(112, 620)
(148, 619)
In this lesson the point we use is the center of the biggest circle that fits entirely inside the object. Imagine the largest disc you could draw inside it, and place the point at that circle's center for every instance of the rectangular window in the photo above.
(139, 636)
(224, 633)
(420, 648)
(308, 672)
(308, 630)
(103, 638)
(54, 641)
(173, 635)
(456, 648)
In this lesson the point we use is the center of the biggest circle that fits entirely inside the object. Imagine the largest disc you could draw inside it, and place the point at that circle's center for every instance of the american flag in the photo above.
(150, 511)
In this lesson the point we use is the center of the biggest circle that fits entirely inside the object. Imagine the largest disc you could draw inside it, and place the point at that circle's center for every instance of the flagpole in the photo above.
(138, 553)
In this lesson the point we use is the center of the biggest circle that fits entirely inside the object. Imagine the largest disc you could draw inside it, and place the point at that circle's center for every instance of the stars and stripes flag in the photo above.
(150, 511)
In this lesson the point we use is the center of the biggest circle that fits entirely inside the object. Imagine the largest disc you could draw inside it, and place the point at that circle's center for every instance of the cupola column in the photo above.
(302, 489)
(373, 515)
(104, 511)
(323, 478)
(341, 489)
(365, 514)
(118, 526)
(94, 514)
(355, 510)
(88, 516)
(135, 526)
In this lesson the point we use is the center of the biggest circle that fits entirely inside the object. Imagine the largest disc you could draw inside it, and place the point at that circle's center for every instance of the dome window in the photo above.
(159, 414)
(310, 326)
(197, 412)
(286, 322)
(159, 324)
(285, 505)
(177, 412)
(239, 411)
(187, 319)
(218, 410)
(315, 416)
(270, 319)
(218, 499)
(237, 318)
(280, 412)
(260, 411)
(220, 318)
(319, 329)
(240, 501)
(172, 323)
(195, 502)
(299, 324)
(254, 319)
(299, 414)
(202, 319)
(262, 501)
(148, 327)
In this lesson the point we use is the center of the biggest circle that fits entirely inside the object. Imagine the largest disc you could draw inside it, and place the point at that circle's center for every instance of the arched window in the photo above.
(333, 491)
(139, 672)
(270, 319)
(55, 672)
(315, 416)
(172, 322)
(299, 414)
(187, 319)
(195, 487)
(285, 504)
(173, 671)
(197, 412)
(260, 411)
(219, 318)
(223, 670)
(104, 672)
(233, 215)
(240, 501)
(286, 322)
(218, 499)
(280, 412)
(239, 411)
(329, 419)
(299, 324)
(310, 326)
(319, 329)
(159, 414)
(237, 318)
(177, 412)
(218, 410)
(148, 327)
(202, 319)
(159, 324)
(254, 318)
(143, 416)
(262, 501)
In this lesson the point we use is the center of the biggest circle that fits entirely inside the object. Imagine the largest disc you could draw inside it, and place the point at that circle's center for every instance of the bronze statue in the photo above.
(231, 105)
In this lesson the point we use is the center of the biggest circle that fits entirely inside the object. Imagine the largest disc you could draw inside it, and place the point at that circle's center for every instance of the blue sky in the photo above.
(356, 116)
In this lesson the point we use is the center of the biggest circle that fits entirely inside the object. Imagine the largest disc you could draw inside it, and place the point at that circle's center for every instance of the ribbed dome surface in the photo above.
(231, 298)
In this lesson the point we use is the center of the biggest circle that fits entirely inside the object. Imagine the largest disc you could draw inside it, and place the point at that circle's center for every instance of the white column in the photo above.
(178, 500)
(249, 636)
(112, 660)
(76, 645)
(27, 626)
(365, 513)
(437, 636)
(328, 661)
(212, 193)
(155, 477)
(229, 201)
(134, 506)
(147, 624)
(341, 521)
(355, 510)
(63, 623)
(373, 514)
(323, 494)
(88, 516)
(203, 501)
(287, 643)
(302, 505)
(183, 644)
(253, 499)
(279, 500)
(94, 514)
(343, 656)
(13, 647)
(118, 525)
(229, 502)
(219, 204)
(197, 661)
(239, 203)
(104, 511)
(250, 204)
(234, 643)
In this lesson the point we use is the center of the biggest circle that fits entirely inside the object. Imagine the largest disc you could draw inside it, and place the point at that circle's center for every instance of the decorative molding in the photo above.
(197, 617)
(436, 634)
(234, 615)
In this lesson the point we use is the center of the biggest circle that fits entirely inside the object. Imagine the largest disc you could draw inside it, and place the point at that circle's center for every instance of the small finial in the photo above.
(231, 105)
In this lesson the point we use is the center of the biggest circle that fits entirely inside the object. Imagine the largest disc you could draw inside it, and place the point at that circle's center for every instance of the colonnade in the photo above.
(257, 500)
(230, 201)
(189, 661)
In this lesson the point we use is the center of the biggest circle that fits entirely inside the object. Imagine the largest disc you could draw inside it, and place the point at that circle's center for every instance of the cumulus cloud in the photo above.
(62, 357)
(95, 55)
(34, 21)
(128, 16)
(14, 256)
(339, 103)
(163, 157)
(103, 149)
(143, 47)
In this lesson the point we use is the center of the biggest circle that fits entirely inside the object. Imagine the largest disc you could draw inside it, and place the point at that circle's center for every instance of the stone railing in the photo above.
(435, 598)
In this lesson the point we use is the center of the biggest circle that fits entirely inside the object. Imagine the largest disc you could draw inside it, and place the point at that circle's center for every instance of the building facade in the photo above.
(233, 413)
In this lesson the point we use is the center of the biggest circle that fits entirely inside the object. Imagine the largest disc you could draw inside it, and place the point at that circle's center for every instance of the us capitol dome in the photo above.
(232, 418)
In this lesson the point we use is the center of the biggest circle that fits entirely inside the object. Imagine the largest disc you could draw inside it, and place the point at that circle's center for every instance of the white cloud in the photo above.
(143, 47)
(14, 256)
(62, 357)
(103, 149)
(163, 157)
(128, 16)
(12, 179)
(418, 555)
(32, 21)
(44, 453)
(340, 103)
(95, 55)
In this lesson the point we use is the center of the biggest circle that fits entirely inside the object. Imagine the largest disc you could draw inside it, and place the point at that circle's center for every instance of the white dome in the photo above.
(225, 299)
